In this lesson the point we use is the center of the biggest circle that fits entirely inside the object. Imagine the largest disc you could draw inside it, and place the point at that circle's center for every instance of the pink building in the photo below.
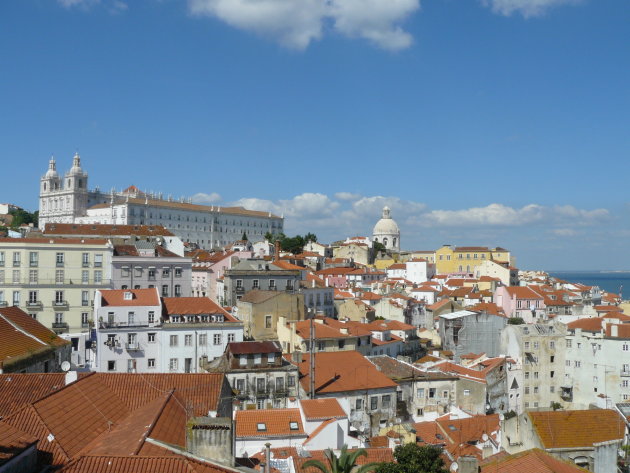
(521, 301)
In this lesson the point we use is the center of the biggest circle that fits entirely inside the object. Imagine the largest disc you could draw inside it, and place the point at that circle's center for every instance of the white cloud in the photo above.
(527, 8)
(77, 3)
(373, 206)
(348, 196)
(202, 198)
(502, 215)
(296, 24)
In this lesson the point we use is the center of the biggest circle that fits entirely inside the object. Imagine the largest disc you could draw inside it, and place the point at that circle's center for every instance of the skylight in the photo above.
(293, 426)
(261, 427)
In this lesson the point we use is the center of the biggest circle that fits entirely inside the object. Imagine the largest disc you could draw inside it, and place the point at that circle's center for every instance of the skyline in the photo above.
(495, 123)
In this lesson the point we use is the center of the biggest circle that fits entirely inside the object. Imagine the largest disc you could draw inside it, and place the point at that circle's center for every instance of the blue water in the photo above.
(609, 281)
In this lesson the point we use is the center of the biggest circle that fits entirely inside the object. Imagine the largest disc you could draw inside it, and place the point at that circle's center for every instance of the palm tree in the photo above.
(344, 463)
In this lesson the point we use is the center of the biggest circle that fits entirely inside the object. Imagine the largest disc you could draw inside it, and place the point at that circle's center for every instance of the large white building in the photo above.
(386, 231)
(68, 200)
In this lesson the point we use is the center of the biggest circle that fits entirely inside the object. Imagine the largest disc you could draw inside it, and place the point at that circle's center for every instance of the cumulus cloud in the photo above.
(296, 24)
(502, 215)
(348, 196)
(202, 198)
(527, 8)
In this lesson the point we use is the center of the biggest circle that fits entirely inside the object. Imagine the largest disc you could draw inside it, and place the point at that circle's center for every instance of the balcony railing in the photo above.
(60, 325)
(132, 346)
(60, 305)
(625, 372)
(35, 305)
(114, 324)
(3, 303)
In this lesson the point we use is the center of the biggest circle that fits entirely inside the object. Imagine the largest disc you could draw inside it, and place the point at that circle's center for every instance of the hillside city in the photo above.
(140, 332)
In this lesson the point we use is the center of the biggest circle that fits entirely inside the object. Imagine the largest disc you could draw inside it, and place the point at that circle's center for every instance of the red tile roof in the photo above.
(99, 229)
(13, 442)
(580, 428)
(253, 347)
(342, 371)
(139, 297)
(22, 336)
(269, 423)
(319, 409)
(194, 306)
(143, 464)
(529, 461)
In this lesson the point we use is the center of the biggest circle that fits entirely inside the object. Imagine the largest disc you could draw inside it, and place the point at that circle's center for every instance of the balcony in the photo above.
(114, 324)
(60, 305)
(133, 346)
(240, 290)
(35, 305)
(3, 303)
(60, 326)
(625, 372)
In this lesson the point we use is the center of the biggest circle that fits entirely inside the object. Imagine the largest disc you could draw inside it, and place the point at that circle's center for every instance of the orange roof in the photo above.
(522, 292)
(139, 297)
(13, 442)
(22, 336)
(194, 306)
(592, 324)
(325, 408)
(303, 329)
(380, 325)
(56, 241)
(159, 461)
(287, 265)
(269, 423)
(20, 389)
(534, 460)
(98, 229)
(623, 330)
(574, 429)
(342, 371)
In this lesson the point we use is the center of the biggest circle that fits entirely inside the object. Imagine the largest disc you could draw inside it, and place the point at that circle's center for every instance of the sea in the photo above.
(609, 281)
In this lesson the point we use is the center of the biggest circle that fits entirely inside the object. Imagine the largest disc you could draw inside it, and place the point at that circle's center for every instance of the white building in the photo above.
(68, 200)
(133, 336)
(386, 231)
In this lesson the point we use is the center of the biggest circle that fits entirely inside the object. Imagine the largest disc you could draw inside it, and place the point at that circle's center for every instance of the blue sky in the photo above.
(479, 122)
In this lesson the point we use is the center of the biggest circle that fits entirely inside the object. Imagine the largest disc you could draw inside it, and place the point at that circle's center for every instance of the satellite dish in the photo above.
(484, 437)
(65, 366)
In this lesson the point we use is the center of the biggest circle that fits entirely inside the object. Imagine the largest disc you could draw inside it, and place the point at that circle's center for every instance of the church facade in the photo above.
(68, 199)
(386, 231)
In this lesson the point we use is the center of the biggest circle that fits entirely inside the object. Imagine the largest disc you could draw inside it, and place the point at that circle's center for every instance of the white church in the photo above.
(68, 200)
(386, 231)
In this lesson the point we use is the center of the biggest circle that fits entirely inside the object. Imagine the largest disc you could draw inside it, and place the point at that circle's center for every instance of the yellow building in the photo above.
(54, 279)
(465, 259)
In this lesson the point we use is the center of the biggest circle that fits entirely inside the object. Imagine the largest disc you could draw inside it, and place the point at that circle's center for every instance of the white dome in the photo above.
(52, 169)
(386, 225)
(76, 166)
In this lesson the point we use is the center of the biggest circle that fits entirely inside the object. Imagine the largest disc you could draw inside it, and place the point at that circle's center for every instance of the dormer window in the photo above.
(128, 296)
(261, 427)
(293, 426)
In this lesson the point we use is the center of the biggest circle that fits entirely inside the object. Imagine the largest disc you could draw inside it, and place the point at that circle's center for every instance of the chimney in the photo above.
(297, 356)
(267, 457)
(276, 252)
(468, 464)
(71, 377)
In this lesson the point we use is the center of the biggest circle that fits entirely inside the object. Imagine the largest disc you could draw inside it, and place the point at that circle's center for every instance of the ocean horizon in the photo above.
(607, 280)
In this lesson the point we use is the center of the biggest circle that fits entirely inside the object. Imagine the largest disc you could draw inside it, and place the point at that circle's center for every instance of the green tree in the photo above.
(344, 463)
(21, 217)
(310, 237)
(244, 237)
(378, 247)
(292, 244)
(411, 458)
(515, 321)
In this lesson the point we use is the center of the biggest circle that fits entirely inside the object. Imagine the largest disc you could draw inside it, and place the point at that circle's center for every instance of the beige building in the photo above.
(354, 251)
(260, 312)
(54, 279)
(506, 273)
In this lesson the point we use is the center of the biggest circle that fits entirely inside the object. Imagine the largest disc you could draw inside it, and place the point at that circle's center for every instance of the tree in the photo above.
(21, 217)
(244, 237)
(411, 458)
(378, 247)
(515, 321)
(344, 463)
(310, 237)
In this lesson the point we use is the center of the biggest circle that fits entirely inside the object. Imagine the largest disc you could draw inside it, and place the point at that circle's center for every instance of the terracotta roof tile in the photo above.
(142, 464)
(194, 306)
(529, 461)
(253, 347)
(139, 297)
(577, 428)
(13, 442)
(269, 423)
(325, 408)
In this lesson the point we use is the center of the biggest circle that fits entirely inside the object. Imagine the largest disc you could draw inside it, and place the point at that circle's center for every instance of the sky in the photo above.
(478, 122)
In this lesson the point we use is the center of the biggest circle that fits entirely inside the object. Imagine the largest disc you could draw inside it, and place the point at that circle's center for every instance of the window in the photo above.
(240, 385)
(125, 272)
(271, 357)
(33, 258)
(85, 259)
(178, 290)
(16, 258)
(33, 276)
(239, 284)
(291, 381)
(1, 276)
(386, 401)
(341, 344)
(111, 365)
(578, 364)
(98, 260)
(535, 345)
(59, 276)
(84, 318)
(374, 403)
(431, 393)
(535, 374)
(58, 297)
(267, 321)
(178, 272)
(166, 272)
(552, 389)
(420, 393)
(216, 339)
(279, 384)
(526, 389)
(552, 344)
(59, 259)
(1, 258)
(272, 284)
(151, 317)
(444, 394)
(255, 284)
(625, 347)
(98, 277)
(242, 360)
(260, 384)
(535, 389)
(151, 363)
(32, 297)
(164, 290)
(358, 405)
(188, 340)
(172, 364)
(151, 337)
(257, 359)
(131, 318)
(137, 271)
(16, 276)
(527, 345)
(203, 339)
(230, 337)
(526, 374)
(569, 343)
(173, 340)
(466, 392)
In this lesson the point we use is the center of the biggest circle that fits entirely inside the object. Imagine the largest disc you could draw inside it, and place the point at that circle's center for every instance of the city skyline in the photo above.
(479, 123)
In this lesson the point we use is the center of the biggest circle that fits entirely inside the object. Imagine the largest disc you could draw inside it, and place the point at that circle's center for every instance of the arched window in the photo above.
(80, 183)
(385, 241)
(376, 239)
(394, 241)
(44, 186)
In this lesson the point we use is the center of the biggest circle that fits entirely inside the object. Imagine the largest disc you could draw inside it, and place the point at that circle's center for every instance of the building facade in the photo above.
(68, 200)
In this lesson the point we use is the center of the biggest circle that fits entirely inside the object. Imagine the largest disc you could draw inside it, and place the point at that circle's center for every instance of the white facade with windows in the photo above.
(386, 231)
(68, 200)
